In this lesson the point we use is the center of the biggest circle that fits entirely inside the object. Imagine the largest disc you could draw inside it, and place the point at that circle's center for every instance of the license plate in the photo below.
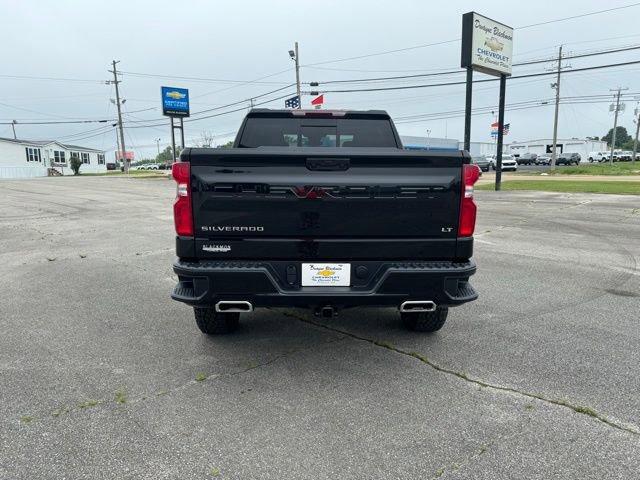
(326, 274)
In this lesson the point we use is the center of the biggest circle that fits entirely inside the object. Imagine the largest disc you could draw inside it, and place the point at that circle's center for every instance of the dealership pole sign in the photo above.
(175, 104)
(487, 45)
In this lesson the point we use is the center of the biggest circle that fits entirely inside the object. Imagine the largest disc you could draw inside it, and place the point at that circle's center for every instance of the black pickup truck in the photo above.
(323, 210)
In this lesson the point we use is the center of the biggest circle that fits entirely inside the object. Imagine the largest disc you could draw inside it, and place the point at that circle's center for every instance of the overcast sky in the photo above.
(246, 40)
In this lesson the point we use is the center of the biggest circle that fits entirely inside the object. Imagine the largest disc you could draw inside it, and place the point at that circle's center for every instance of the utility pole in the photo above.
(158, 145)
(117, 144)
(499, 141)
(615, 122)
(295, 57)
(115, 81)
(555, 117)
(467, 109)
(13, 126)
(635, 140)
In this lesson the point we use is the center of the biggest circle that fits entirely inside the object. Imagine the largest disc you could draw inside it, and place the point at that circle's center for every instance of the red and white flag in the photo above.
(318, 101)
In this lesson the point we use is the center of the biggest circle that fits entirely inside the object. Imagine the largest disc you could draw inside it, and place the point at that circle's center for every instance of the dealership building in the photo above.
(40, 158)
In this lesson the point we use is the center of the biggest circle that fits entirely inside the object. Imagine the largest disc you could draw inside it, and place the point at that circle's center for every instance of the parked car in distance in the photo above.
(543, 160)
(111, 166)
(509, 163)
(482, 162)
(597, 156)
(569, 158)
(527, 159)
(622, 155)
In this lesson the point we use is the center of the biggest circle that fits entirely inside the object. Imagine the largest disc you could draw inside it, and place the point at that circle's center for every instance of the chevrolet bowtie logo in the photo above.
(326, 272)
(176, 95)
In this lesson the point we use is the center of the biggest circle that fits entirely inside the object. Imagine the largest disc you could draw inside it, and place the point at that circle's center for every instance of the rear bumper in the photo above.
(277, 284)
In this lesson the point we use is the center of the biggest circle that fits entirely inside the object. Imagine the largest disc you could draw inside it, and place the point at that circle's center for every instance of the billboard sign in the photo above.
(124, 155)
(175, 102)
(487, 45)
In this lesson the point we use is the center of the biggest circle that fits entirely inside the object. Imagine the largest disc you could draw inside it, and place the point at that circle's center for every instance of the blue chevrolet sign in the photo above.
(175, 102)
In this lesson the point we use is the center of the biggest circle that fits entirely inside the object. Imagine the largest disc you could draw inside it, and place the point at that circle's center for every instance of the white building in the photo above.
(431, 143)
(477, 149)
(39, 158)
(428, 143)
(564, 145)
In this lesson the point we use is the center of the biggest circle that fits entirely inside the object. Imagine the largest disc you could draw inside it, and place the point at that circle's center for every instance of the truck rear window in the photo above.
(319, 132)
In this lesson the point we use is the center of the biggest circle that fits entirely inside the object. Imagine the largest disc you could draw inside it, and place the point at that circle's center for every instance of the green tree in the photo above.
(229, 144)
(628, 145)
(622, 137)
(75, 163)
(165, 156)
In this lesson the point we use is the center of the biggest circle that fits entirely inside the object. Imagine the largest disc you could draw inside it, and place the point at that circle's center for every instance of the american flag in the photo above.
(494, 129)
(293, 102)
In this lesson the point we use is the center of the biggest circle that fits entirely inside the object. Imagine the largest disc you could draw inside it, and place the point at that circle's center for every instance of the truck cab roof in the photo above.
(288, 113)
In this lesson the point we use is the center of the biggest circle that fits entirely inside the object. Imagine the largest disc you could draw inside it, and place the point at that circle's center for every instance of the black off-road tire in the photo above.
(215, 323)
(425, 321)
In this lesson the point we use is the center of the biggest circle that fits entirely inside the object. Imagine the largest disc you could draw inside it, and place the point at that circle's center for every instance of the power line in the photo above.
(107, 130)
(245, 83)
(539, 74)
(579, 16)
(245, 100)
(202, 79)
(386, 52)
(462, 82)
(222, 107)
(458, 71)
(444, 42)
(85, 132)
(218, 114)
(599, 98)
(52, 79)
(61, 122)
(488, 109)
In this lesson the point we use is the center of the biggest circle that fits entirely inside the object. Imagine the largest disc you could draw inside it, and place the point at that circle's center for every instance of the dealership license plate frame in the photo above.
(337, 274)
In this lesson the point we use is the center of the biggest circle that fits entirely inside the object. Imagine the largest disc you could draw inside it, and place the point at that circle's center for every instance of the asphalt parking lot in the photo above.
(104, 376)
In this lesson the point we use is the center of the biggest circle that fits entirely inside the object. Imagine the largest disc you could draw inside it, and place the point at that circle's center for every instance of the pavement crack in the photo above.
(463, 376)
(478, 451)
(121, 400)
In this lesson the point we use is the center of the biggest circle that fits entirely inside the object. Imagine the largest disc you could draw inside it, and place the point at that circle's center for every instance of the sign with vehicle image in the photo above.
(175, 102)
(326, 274)
(487, 45)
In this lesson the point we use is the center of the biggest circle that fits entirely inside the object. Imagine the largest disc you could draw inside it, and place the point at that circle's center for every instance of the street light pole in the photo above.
(296, 58)
(158, 144)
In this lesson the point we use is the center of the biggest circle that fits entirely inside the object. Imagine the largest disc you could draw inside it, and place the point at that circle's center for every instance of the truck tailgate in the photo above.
(276, 202)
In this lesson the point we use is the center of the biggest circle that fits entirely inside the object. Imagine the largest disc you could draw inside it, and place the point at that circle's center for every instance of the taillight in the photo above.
(467, 224)
(181, 172)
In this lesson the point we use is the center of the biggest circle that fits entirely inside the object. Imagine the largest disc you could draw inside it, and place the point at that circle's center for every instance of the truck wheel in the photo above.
(215, 323)
(425, 321)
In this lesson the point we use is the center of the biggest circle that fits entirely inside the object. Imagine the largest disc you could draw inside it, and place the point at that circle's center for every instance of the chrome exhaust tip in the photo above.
(418, 306)
(234, 306)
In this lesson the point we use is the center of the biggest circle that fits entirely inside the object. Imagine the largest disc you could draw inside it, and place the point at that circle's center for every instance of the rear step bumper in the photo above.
(277, 284)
